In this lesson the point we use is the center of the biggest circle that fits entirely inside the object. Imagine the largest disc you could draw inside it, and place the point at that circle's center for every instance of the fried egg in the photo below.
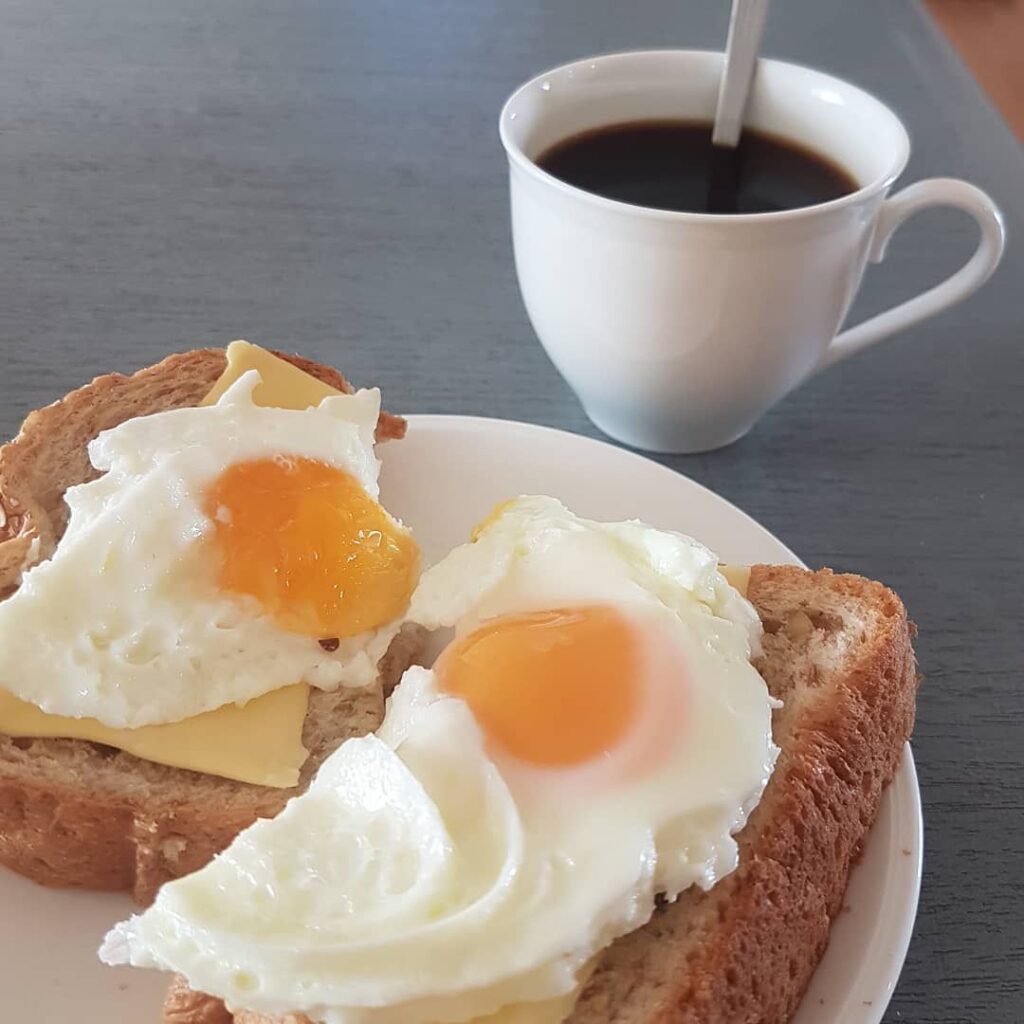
(224, 552)
(591, 739)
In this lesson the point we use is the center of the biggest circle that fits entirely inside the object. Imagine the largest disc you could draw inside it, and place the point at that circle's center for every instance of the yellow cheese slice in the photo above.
(737, 576)
(281, 385)
(259, 742)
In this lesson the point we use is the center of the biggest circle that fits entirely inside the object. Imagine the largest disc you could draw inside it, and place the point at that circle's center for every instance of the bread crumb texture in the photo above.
(83, 815)
(837, 652)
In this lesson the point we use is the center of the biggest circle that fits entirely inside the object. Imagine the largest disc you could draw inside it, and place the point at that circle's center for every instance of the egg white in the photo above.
(426, 876)
(125, 623)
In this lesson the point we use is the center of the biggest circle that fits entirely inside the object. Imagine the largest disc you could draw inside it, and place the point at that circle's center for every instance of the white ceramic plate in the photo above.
(443, 478)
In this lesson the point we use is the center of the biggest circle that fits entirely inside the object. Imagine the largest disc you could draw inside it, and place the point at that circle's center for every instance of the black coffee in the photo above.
(672, 165)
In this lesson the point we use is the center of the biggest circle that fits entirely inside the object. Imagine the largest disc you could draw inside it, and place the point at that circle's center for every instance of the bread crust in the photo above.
(49, 454)
(745, 952)
(81, 815)
(837, 651)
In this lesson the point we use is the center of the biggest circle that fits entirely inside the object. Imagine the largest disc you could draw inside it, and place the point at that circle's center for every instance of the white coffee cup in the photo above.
(676, 330)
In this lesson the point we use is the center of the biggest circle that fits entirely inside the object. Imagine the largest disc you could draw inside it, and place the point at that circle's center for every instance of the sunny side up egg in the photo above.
(593, 737)
(204, 567)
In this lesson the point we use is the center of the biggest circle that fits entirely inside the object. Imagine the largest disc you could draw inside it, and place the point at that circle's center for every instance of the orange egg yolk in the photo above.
(311, 546)
(551, 688)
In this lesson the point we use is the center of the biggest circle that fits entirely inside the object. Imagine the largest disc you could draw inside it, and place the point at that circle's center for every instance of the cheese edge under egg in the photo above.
(259, 742)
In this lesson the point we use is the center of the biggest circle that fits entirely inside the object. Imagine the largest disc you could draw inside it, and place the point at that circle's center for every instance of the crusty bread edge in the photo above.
(31, 505)
(776, 910)
(778, 906)
(72, 836)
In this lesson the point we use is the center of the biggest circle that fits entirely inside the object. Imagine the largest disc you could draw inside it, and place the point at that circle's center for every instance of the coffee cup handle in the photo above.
(894, 211)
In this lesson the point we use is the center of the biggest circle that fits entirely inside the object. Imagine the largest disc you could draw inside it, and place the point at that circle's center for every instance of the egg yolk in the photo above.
(311, 546)
(555, 687)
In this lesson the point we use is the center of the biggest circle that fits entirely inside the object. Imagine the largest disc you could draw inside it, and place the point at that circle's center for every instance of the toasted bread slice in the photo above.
(837, 652)
(79, 814)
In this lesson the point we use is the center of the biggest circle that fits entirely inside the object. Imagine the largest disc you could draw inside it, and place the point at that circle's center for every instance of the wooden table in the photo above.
(325, 175)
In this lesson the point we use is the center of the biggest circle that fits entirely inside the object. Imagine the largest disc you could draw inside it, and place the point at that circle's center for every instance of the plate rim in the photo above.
(458, 419)
(879, 941)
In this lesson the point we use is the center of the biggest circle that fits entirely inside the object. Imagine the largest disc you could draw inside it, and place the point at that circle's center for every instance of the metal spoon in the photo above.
(746, 25)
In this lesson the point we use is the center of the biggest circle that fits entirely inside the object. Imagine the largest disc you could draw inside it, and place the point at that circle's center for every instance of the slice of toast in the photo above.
(80, 814)
(837, 652)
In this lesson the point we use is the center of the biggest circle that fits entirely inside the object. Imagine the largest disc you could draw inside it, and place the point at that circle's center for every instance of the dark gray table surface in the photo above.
(326, 176)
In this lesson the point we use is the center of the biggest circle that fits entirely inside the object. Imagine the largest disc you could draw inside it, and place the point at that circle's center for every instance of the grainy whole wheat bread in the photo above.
(80, 814)
(837, 651)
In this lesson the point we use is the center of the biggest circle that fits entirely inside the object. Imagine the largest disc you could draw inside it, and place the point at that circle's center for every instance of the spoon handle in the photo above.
(746, 26)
